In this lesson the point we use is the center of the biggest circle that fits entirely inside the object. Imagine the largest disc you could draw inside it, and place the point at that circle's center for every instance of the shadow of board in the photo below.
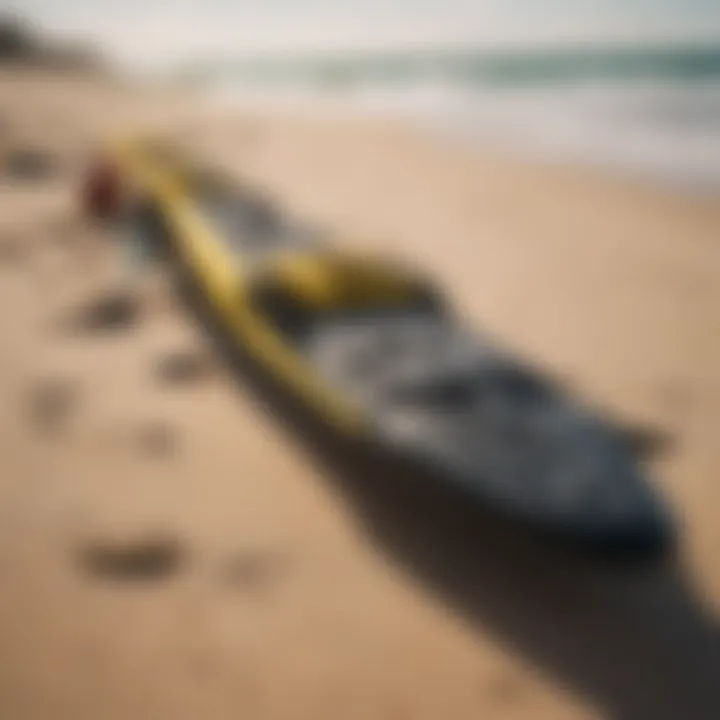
(631, 640)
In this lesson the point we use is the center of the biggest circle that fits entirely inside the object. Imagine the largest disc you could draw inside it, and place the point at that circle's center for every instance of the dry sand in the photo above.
(271, 583)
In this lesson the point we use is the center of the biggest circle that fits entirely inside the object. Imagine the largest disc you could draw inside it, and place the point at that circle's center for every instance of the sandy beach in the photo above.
(272, 583)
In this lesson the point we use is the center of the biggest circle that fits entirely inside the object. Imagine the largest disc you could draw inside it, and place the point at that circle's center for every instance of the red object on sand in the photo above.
(102, 191)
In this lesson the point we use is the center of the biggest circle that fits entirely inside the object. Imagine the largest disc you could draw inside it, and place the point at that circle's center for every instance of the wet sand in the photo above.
(170, 548)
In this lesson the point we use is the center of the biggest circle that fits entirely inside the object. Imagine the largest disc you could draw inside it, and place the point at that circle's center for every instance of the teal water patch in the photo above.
(498, 68)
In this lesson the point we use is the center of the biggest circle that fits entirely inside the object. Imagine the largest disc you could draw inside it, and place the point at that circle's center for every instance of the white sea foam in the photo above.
(668, 130)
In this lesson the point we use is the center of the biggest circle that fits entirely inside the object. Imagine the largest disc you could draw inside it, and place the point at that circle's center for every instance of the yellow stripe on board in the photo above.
(221, 277)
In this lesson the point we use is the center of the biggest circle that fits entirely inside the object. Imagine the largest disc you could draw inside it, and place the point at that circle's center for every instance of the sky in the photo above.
(168, 31)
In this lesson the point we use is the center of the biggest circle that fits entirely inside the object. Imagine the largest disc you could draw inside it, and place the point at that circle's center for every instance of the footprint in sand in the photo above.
(113, 312)
(184, 367)
(30, 164)
(145, 557)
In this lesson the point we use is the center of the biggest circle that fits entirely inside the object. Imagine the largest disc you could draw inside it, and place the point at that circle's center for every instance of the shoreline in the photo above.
(482, 144)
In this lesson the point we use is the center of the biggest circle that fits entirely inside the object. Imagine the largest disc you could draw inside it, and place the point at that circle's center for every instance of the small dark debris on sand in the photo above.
(30, 164)
(183, 367)
(110, 313)
(51, 403)
(141, 559)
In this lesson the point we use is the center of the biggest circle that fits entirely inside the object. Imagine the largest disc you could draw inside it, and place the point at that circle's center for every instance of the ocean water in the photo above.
(651, 112)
